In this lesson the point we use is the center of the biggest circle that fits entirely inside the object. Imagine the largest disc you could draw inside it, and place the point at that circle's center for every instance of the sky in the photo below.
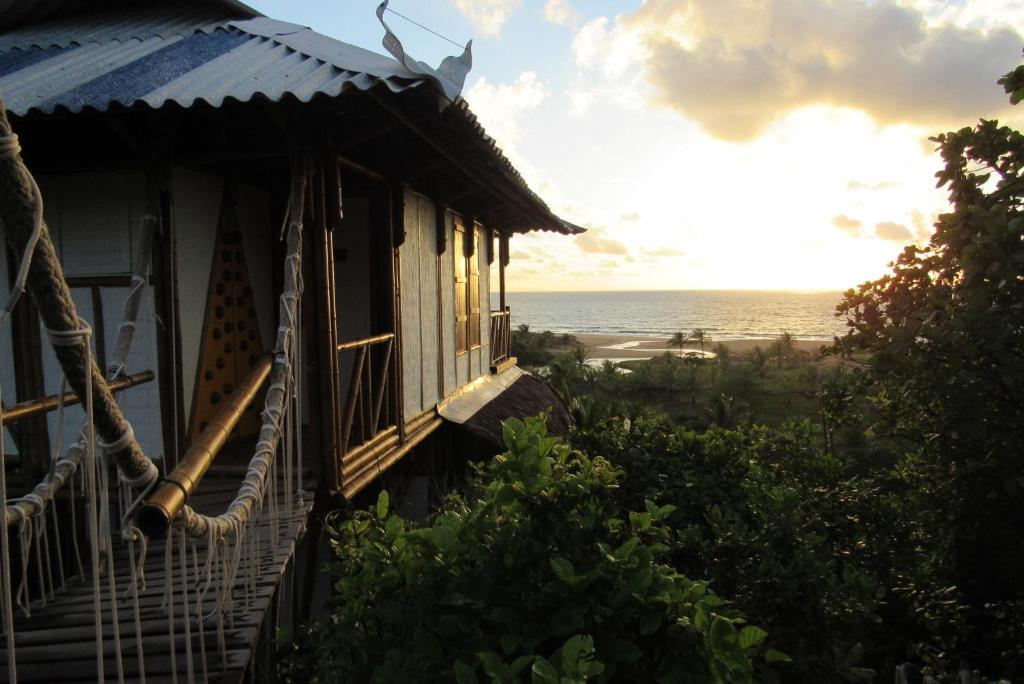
(714, 144)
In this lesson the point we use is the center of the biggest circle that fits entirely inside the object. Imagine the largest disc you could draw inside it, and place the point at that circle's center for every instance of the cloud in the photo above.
(560, 12)
(865, 185)
(922, 231)
(736, 66)
(630, 216)
(499, 106)
(594, 242)
(488, 16)
(663, 252)
(890, 230)
(850, 226)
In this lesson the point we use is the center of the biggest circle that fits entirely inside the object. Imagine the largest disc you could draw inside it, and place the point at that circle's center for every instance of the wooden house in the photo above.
(167, 140)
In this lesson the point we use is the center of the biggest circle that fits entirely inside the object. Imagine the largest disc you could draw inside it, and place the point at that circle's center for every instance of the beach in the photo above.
(618, 347)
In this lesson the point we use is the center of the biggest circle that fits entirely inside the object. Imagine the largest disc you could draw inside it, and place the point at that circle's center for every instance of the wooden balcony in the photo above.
(369, 418)
(501, 340)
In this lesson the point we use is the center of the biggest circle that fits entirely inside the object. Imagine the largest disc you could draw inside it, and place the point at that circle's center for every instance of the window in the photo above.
(467, 286)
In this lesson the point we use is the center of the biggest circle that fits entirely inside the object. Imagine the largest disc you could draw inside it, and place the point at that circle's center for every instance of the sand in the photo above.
(637, 347)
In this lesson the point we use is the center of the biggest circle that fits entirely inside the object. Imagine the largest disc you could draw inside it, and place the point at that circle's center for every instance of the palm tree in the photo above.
(783, 348)
(700, 336)
(727, 411)
(722, 353)
(678, 340)
(759, 361)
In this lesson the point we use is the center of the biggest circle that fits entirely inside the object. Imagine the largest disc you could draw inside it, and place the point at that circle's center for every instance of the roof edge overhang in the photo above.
(19, 13)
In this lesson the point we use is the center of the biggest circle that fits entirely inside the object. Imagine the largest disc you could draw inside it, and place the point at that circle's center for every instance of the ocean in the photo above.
(723, 314)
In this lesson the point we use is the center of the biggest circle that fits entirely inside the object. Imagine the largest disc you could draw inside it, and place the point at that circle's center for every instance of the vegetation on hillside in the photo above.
(846, 518)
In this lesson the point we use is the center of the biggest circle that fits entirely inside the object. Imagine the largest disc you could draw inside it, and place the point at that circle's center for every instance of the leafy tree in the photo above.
(826, 555)
(946, 334)
(535, 575)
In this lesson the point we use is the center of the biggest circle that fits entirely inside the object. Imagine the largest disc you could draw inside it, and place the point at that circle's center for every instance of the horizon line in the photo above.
(692, 289)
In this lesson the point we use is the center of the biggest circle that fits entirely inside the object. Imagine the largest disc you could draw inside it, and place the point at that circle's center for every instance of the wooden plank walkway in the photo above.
(57, 643)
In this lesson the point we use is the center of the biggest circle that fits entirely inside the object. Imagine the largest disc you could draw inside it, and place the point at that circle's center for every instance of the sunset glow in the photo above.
(723, 145)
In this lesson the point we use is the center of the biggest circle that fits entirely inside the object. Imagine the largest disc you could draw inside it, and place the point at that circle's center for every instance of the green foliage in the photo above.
(946, 334)
(825, 554)
(535, 574)
(533, 349)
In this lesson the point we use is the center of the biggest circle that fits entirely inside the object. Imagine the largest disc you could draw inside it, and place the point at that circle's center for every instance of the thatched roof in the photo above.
(527, 396)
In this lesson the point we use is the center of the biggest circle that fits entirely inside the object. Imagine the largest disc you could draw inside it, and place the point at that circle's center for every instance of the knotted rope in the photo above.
(26, 230)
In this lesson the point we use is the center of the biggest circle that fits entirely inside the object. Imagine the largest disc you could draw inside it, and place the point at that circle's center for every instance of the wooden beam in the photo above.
(443, 147)
(343, 144)
(424, 171)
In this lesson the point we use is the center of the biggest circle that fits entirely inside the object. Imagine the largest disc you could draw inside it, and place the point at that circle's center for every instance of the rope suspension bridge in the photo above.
(110, 568)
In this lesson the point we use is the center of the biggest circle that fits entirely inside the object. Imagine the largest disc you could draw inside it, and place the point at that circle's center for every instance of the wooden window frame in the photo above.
(461, 277)
(473, 307)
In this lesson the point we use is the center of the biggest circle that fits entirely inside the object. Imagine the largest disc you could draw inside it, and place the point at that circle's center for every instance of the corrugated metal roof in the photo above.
(201, 51)
(14, 13)
(154, 60)
(118, 24)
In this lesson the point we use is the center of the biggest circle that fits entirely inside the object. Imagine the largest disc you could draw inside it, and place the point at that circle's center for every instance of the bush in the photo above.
(831, 557)
(536, 573)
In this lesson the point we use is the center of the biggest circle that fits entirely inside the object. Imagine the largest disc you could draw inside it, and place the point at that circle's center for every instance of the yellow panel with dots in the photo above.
(231, 343)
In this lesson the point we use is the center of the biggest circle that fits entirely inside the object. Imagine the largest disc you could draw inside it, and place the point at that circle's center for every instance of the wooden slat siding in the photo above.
(56, 643)
(429, 343)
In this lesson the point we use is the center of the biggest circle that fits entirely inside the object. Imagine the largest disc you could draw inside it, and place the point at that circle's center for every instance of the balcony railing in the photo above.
(501, 338)
(368, 409)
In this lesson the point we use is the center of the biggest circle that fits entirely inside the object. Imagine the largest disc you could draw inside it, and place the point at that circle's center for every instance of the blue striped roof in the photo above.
(147, 57)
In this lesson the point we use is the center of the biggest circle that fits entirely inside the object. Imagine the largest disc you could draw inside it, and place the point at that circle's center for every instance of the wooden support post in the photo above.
(396, 227)
(502, 263)
(441, 221)
(328, 356)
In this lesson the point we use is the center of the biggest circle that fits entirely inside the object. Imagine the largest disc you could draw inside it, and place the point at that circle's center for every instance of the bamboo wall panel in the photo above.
(428, 302)
(412, 343)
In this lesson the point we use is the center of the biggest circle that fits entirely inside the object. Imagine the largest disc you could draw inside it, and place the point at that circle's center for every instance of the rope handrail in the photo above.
(279, 393)
(26, 228)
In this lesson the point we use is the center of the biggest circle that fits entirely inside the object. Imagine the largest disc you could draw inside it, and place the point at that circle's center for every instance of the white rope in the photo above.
(10, 148)
(6, 605)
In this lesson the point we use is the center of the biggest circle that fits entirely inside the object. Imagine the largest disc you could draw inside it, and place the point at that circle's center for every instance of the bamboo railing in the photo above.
(367, 410)
(162, 506)
(501, 337)
(52, 402)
